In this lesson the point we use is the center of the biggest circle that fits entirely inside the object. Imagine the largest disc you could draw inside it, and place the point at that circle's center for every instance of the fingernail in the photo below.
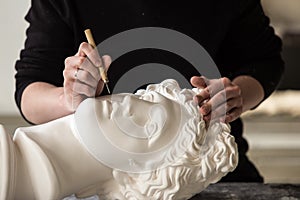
(204, 110)
(199, 99)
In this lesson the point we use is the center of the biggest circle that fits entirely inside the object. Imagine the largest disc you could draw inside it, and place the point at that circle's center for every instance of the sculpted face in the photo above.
(130, 132)
(146, 122)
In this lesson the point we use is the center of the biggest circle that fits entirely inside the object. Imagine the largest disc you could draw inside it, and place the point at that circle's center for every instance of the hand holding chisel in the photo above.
(101, 68)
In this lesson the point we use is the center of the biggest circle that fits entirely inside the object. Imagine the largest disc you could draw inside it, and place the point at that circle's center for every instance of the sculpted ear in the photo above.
(158, 115)
(158, 118)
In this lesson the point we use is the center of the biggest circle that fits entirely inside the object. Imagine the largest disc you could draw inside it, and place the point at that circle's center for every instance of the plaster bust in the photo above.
(149, 145)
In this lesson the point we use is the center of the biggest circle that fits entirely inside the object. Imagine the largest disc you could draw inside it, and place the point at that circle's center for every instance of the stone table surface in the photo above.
(249, 191)
(240, 191)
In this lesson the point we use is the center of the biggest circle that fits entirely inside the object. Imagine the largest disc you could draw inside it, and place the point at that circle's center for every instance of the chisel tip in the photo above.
(107, 88)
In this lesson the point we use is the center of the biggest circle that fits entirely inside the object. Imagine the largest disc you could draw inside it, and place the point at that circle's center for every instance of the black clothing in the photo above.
(245, 171)
(235, 33)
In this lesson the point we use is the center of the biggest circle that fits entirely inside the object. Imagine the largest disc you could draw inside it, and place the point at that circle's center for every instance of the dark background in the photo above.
(291, 56)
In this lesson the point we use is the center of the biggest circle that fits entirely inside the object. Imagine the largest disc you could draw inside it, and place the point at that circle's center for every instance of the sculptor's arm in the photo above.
(251, 91)
(249, 58)
(225, 100)
(46, 87)
(42, 102)
(242, 94)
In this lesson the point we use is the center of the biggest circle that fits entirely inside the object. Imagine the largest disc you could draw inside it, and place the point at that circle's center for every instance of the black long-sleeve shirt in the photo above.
(235, 33)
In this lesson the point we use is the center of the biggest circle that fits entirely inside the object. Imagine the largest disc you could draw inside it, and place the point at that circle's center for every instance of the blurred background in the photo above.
(272, 130)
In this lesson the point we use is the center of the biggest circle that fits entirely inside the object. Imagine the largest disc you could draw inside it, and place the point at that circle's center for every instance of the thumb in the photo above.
(199, 81)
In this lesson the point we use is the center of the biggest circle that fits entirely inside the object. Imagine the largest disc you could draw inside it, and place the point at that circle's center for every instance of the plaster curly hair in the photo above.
(209, 154)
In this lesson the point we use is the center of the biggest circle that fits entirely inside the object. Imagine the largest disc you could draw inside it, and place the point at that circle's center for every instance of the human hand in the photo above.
(82, 77)
(220, 99)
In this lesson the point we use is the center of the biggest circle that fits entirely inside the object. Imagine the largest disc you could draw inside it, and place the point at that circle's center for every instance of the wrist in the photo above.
(252, 91)
(63, 103)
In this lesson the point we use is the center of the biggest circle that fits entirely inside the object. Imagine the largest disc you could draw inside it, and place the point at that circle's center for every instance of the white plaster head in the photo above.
(6, 164)
(155, 142)
(148, 145)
